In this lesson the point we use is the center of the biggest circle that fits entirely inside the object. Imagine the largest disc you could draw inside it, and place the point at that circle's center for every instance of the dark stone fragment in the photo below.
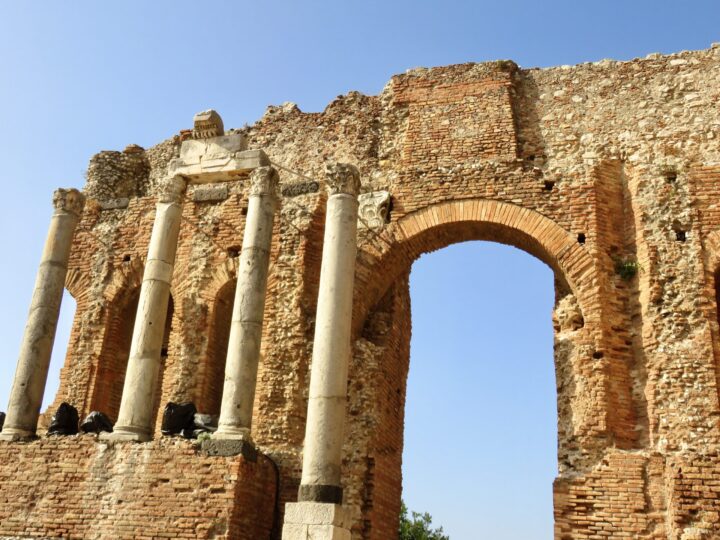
(65, 421)
(178, 417)
(2, 420)
(299, 188)
(226, 448)
(95, 422)
(320, 493)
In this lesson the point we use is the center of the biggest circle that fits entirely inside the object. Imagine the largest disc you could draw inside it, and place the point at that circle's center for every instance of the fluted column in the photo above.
(136, 407)
(322, 453)
(34, 360)
(243, 354)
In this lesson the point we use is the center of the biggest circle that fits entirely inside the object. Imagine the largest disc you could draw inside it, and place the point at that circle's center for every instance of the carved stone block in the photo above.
(207, 124)
(374, 209)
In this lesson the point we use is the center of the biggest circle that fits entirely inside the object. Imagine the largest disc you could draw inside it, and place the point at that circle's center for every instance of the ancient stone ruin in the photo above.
(261, 275)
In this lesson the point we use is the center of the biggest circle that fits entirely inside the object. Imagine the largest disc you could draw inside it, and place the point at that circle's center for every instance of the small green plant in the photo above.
(626, 268)
(204, 437)
(418, 527)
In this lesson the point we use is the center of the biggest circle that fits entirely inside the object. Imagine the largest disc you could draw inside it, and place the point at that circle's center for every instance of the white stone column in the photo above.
(136, 407)
(243, 354)
(318, 513)
(34, 360)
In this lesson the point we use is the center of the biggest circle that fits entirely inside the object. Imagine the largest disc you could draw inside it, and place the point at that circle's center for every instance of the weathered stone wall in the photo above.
(608, 172)
(76, 487)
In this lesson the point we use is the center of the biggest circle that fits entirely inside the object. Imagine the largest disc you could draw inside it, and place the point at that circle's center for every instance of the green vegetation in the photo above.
(418, 527)
(626, 268)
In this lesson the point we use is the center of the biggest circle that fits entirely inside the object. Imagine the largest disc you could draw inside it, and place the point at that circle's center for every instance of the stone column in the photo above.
(136, 407)
(243, 353)
(34, 360)
(318, 513)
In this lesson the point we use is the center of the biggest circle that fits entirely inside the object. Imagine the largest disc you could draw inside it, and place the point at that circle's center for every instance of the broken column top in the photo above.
(207, 124)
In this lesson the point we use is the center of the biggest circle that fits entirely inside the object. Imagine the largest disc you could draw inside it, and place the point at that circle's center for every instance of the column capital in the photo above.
(342, 178)
(69, 200)
(173, 190)
(264, 181)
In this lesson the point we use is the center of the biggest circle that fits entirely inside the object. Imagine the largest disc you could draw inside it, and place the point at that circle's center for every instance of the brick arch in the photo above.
(126, 279)
(382, 288)
(77, 284)
(220, 276)
(386, 257)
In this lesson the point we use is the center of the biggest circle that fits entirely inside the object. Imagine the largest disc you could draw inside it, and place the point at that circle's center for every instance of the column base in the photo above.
(124, 434)
(225, 433)
(316, 521)
(12, 435)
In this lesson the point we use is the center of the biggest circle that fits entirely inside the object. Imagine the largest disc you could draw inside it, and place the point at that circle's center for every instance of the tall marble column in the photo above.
(322, 452)
(136, 407)
(243, 354)
(34, 360)
(319, 512)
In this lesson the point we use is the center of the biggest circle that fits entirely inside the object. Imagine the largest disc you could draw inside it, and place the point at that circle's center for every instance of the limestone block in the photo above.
(314, 532)
(327, 532)
(217, 159)
(314, 513)
(316, 521)
(294, 532)
(210, 193)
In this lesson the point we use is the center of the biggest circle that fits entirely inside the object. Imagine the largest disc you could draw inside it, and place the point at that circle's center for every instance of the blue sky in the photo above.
(83, 76)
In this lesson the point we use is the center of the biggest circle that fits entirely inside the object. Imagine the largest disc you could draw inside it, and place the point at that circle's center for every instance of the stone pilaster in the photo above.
(243, 355)
(32, 368)
(136, 408)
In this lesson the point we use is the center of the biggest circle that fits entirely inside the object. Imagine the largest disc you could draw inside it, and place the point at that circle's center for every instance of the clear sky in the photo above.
(83, 76)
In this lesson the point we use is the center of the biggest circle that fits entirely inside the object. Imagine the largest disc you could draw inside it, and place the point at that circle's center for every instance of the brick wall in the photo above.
(76, 487)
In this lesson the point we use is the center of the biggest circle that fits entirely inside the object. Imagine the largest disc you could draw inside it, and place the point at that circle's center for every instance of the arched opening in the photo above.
(593, 404)
(480, 437)
(62, 346)
(219, 334)
(112, 364)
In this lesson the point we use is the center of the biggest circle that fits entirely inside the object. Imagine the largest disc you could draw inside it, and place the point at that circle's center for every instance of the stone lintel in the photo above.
(230, 447)
(220, 159)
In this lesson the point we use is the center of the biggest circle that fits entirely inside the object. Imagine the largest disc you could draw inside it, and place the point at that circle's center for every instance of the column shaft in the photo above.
(322, 454)
(34, 360)
(141, 378)
(243, 354)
